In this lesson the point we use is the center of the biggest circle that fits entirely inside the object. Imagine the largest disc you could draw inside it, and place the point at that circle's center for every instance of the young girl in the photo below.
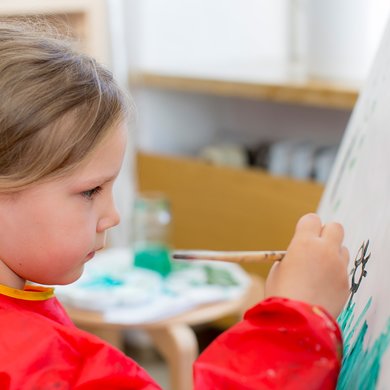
(62, 141)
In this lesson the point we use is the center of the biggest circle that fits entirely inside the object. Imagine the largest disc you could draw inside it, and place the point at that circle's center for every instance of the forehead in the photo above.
(107, 158)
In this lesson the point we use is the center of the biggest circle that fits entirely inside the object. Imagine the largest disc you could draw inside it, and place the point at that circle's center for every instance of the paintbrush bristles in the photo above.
(229, 256)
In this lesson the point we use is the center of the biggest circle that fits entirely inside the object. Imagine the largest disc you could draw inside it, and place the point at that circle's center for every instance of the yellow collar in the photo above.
(30, 292)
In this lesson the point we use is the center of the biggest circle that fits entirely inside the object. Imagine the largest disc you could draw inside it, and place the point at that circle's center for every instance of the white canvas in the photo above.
(358, 195)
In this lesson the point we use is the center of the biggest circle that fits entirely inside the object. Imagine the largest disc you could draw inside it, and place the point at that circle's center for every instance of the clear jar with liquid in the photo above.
(151, 232)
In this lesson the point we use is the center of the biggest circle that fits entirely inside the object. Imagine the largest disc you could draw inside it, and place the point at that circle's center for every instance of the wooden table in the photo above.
(173, 338)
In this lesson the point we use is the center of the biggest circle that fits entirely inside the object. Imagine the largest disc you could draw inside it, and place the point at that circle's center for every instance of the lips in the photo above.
(90, 255)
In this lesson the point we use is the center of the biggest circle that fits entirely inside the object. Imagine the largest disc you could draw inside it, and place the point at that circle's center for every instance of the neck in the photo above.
(10, 278)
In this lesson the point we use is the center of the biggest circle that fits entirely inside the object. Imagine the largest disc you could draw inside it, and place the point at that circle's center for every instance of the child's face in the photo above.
(50, 230)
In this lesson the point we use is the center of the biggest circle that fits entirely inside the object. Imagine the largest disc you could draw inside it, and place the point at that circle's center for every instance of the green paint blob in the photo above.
(153, 257)
(361, 365)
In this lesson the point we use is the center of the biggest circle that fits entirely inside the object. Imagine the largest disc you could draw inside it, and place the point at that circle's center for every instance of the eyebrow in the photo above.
(98, 181)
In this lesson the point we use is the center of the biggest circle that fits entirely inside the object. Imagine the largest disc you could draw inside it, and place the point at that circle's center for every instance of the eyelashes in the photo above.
(90, 194)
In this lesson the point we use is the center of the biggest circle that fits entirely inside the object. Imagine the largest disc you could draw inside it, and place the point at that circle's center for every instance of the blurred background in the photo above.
(241, 105)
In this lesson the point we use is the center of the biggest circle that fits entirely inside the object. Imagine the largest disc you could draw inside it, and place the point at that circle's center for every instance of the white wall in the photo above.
(188, 35)
(342, 37)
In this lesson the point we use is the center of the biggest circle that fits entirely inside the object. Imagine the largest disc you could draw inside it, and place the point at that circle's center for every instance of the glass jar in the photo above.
(151, 232)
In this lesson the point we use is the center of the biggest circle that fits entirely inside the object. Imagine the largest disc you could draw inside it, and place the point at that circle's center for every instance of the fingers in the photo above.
(333, 232)
(309, 225)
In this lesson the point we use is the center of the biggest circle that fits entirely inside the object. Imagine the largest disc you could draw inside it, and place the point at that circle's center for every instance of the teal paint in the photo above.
(361, 365)
(104, 281)
(155, 257)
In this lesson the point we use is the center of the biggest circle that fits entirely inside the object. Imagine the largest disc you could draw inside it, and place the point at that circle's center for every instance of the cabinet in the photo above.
(223, 208)
(208, 72)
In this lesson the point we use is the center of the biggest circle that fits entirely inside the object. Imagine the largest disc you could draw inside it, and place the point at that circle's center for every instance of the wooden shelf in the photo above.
(308, 92)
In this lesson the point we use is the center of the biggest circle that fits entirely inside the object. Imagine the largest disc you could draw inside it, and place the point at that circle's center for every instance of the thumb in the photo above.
(271, 279)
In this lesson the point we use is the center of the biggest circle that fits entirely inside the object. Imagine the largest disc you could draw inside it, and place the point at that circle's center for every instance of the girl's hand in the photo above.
(314, 269)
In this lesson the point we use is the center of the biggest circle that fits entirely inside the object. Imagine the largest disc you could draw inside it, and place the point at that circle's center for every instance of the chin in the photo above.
(73, 278)
(64, 280)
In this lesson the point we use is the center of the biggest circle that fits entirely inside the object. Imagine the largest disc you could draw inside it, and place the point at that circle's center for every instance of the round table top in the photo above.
(198, 315)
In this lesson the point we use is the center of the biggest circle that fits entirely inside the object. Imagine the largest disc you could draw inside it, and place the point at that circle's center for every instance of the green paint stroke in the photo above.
(352, 163)
(336, 205)
(361, 366)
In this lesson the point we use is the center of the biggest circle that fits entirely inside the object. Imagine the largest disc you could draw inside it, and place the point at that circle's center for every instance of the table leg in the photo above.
(178, 345)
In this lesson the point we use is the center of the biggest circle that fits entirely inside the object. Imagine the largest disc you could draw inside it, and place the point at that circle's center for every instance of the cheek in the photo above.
(65, 235)
(77, 233)
(79, 220)
(23, 234)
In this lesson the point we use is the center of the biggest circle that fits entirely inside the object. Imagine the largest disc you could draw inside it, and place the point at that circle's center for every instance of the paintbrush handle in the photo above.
(230, 256)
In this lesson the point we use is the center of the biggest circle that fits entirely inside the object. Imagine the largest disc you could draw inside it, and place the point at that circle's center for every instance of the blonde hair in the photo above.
(56, 106)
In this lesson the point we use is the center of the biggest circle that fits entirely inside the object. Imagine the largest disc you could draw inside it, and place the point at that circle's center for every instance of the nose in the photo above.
(109, 219)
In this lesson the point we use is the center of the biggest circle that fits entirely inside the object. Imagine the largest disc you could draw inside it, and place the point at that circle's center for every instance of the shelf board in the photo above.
(307, 92)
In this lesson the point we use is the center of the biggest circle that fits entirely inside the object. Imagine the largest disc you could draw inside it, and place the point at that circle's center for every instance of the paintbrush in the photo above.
(229, 256)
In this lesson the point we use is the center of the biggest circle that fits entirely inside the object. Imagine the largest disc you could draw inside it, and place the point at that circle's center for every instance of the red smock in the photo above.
(281, 344)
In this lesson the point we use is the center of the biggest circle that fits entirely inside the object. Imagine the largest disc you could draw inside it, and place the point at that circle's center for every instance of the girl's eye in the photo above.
(89, 194)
